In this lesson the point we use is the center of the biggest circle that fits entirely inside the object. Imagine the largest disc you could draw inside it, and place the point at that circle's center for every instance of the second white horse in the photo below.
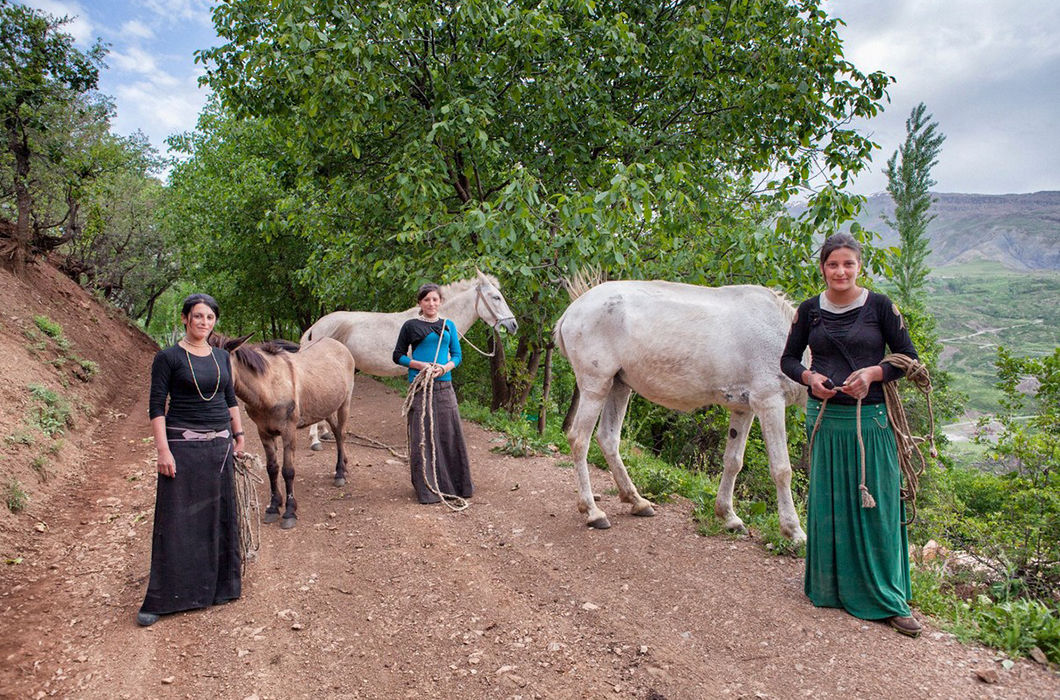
(681, 346)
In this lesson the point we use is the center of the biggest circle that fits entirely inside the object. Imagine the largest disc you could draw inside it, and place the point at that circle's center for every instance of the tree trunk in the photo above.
(16, 251)
(498, 376)
(546, 387)
(567, 419)
(525, 383)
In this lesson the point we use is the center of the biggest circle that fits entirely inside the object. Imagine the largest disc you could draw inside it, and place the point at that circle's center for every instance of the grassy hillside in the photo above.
(981, 305)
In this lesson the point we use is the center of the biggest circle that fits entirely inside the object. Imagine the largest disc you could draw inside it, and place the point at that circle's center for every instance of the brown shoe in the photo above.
(906, 625)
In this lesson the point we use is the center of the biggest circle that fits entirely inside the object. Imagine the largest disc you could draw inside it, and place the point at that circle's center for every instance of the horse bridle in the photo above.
(479, 295)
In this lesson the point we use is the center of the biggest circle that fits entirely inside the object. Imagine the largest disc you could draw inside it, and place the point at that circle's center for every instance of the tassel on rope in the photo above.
(917, 373)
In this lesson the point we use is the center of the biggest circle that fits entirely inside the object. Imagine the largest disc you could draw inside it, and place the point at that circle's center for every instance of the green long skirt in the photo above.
(856, 558)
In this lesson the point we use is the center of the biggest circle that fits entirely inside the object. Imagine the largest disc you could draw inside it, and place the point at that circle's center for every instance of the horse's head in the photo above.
(491, 305)
(245, 354)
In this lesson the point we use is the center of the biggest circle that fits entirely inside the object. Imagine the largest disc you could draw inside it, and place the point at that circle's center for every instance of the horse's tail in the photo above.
(557, 335)
(582, 281)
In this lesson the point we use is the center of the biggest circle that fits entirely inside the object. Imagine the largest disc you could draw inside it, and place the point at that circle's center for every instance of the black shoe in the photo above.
(145, 619)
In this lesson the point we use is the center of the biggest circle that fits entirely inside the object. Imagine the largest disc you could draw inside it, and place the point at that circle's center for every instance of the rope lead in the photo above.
(423, 384)
(908, 444)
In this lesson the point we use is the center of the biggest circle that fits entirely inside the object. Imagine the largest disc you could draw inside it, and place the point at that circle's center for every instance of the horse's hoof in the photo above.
(271, 517)
(340, 481)
(288, 523)
(644, 512)
(316, 447)
(601, 523)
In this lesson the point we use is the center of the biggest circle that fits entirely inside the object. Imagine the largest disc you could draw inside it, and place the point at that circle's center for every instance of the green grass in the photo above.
(981, 305)
(49, 327)
(1014, 625)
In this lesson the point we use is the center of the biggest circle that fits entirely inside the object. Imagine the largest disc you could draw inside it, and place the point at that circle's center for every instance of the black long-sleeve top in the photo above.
(171, 376)
(842, 343)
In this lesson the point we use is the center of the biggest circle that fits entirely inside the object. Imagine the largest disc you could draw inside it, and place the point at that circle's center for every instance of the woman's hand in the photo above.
(240, 444)
(820, 385)
(857, 384)
(167, 466)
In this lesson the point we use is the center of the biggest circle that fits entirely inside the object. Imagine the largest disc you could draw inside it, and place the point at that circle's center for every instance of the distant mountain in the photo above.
(1021, 231)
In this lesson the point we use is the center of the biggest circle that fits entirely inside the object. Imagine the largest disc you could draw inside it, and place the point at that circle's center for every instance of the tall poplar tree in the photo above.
(909, 183)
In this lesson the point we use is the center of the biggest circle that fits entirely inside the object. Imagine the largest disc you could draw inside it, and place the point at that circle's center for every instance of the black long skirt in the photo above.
(447, 447)
(195, 560)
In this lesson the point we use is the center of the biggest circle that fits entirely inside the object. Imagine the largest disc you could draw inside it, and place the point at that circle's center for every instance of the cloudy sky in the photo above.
(986, 69)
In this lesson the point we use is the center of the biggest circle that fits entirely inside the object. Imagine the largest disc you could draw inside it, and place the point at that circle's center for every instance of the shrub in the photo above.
(53, 412)
(49, 327)
(15, 496)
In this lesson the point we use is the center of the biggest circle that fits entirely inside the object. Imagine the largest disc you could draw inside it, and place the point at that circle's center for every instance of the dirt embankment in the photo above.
(375, 596)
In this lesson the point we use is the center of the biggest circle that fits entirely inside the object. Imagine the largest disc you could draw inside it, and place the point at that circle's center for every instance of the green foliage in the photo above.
(39, 465)
(359, 150)
(86, 370)
(47, 113)
(1016, 626)
(123, 251)
(52, 413)
(49, 327)
(15, 496)
(238, 226)
(1013, 625)
(21, 437)
(909, 183)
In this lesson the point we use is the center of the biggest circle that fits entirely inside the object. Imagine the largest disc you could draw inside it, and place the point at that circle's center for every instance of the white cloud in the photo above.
(198, 11)
(80, 26)
(137, 30)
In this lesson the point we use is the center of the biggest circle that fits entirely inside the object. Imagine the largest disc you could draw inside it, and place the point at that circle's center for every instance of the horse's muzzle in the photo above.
(509, 324)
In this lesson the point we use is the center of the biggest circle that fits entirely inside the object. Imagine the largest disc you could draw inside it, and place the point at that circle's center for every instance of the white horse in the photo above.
(681, 346)
(371, 336)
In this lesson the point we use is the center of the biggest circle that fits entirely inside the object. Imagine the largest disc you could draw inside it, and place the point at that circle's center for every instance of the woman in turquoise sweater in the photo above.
(437, 454)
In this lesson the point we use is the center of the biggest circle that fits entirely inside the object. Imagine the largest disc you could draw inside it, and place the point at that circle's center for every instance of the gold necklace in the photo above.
(194, 345)
(196, 382)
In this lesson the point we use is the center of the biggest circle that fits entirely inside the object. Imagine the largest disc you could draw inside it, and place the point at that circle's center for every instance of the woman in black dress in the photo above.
(195, 558)
(857, 547)
(430, 344)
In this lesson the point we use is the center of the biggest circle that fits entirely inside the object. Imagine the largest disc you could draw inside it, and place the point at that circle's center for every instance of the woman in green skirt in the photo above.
(856, 550)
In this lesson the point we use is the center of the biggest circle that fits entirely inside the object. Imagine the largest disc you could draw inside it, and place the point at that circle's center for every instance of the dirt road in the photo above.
(375, 596)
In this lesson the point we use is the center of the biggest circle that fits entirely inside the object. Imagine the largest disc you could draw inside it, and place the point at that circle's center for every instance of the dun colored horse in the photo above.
(284, 387)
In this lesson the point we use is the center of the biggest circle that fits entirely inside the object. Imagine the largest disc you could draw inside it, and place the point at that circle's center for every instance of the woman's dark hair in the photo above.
(193, 299)
(426, 289)
(839, 240)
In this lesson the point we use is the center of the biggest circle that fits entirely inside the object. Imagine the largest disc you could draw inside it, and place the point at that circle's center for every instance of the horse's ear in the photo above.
(234, 344)
(481, 275)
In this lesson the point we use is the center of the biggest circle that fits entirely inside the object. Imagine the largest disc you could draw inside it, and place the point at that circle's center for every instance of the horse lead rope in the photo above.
(907, 443)
(424, 384)
(486, 302)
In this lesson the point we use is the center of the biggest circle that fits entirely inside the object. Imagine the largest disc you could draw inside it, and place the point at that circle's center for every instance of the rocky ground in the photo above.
(375, 596)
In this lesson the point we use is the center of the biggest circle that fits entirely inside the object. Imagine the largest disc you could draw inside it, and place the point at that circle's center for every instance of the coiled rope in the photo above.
(424, 384)
(247, 474)
(908, 444)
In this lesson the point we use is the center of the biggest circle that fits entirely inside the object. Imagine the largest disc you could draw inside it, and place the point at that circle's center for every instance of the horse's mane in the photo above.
(251, 356)
(787, 309)
(582, 281)
(448, 291)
